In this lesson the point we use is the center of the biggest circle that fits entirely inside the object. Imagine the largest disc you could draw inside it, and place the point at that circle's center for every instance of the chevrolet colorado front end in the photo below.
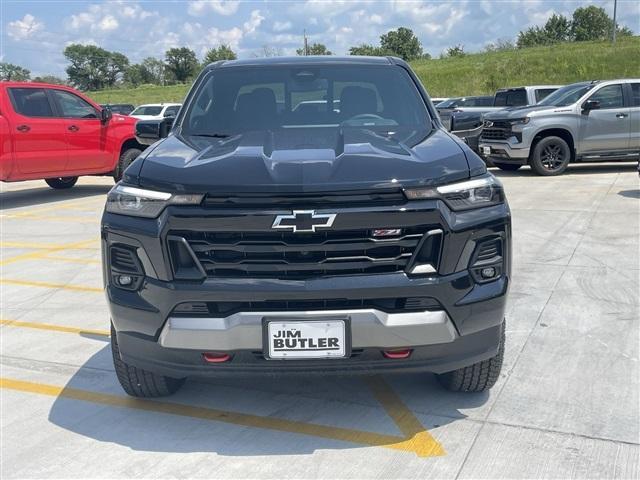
(306, 215)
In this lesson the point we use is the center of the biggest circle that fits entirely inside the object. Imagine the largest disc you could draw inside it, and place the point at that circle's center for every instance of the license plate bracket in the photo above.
(322, 338)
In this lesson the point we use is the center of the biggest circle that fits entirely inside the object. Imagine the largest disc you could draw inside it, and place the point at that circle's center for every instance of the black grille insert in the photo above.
(306, 200)
(224, 309)
(301, 255)
(124, 260)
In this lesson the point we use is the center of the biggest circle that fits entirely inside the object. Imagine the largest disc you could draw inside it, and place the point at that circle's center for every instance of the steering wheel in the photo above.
(365, 116)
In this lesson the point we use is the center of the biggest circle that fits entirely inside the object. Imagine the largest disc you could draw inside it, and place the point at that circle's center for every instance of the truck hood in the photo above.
(306, 160)
(517, 112)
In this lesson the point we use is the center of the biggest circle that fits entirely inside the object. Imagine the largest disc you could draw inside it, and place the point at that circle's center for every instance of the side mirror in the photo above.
(105, 115)
(149, 132)
(590, 105)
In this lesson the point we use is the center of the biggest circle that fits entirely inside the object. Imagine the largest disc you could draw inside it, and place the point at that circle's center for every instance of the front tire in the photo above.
(61, 183)
(478, 377)
(138, 382)
(507, 167)
(126, 159)
(551, 156)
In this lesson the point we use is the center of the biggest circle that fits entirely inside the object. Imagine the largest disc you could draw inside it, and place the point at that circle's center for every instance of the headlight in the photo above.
(519, 121)
(478, 192)
(139, 202)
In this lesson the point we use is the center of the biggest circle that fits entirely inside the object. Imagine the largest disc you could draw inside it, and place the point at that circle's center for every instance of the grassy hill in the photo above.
(480, 73)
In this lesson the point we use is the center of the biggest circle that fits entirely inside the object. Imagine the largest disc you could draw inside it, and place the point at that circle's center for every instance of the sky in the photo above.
(34, 33)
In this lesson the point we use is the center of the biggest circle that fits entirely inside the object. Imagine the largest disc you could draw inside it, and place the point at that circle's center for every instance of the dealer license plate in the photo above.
(486, 150)
(306, 339)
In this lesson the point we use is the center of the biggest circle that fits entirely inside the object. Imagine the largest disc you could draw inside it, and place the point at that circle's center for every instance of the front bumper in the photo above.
(503, 152)
(464, 329)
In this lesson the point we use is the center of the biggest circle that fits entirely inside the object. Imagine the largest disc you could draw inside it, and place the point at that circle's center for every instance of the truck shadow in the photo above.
(574, 169)
(341, 402)
(42, 196)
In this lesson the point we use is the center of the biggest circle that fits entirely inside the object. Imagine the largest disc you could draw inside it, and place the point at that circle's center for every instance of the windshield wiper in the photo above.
(211, 135)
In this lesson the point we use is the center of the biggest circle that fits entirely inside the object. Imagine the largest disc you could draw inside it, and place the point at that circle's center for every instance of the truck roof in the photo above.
(307, 60)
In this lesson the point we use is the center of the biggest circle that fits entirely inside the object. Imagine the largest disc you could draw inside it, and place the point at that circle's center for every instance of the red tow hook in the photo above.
(211, 357)
(397, 354)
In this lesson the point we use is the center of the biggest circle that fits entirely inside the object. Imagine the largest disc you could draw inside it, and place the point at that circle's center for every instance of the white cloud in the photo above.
(222, 7)
(281, 26)
(254, 22)
(108, 23)
(25, 28)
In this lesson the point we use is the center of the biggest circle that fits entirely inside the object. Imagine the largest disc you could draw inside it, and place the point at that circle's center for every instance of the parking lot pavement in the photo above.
(566, 405)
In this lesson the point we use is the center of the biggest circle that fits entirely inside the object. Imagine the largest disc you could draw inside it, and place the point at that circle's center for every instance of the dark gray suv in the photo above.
(306, 215)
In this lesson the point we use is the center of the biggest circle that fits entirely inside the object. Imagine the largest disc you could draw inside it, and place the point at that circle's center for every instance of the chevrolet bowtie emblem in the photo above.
(303, 221)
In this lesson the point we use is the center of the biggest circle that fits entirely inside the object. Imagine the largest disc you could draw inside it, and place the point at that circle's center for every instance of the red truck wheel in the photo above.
(127, 157)
(61, 183)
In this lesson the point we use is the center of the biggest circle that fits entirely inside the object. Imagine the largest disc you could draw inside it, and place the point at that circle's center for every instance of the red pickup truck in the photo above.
(55, 133)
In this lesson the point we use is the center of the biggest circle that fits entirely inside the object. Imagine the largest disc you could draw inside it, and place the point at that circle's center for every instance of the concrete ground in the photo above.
(566, 405)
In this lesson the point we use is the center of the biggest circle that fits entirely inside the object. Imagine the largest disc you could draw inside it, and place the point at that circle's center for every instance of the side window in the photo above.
(171, 111)
(609, 97)
(543, 93)
(31, 102)
(72, 106)
(635, 94)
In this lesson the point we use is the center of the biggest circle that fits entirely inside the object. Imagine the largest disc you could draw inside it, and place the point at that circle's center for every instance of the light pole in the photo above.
(615, 25)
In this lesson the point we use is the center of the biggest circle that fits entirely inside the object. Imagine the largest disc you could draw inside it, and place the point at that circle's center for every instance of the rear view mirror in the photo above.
(590, 105)
(150, 131)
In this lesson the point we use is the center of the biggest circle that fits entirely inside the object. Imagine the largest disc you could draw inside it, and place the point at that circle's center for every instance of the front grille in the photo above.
(306, 200)
(224, 309)
(301, 255)
(499, 130)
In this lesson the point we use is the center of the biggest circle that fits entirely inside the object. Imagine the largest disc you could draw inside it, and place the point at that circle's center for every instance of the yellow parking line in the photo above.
(234, 418)
(72, 259)
(41, 246)
(63, 286)
(47, 251)
(71, 205)
(56, 218)
(55, 328)
(403, 417)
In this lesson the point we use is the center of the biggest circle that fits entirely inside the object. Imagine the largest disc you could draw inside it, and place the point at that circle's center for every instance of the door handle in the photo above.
(73, 128)
(621, 115)
(23, 128)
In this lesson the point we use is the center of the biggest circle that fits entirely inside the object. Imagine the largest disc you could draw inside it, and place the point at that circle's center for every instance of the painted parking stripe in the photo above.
(52, 327)
(61, 286)
(402, 416)
(422, 449)
(45, 251)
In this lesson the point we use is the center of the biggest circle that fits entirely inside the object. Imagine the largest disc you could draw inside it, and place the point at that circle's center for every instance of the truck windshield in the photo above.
(147, 110)
(567, 95)
(234, 100)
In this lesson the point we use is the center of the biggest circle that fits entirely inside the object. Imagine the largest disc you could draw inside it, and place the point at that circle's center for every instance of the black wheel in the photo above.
(551, 156)
(61, 183)
(138, 382)
(127, 157)
(478, 377)
(507, 167)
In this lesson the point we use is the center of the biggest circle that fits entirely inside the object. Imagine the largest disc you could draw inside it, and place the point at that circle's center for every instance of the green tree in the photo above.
(590, 23)
(9, 71)
(88, 69)
(137, 74)
(223, 52)
(315, 49)
(369, 50)
(403, 43)
(557, 29)
(50, 79)
(156, 69)
(500, 45)
(532, 37)
(117, 65)
(455, 51)
(182, 62)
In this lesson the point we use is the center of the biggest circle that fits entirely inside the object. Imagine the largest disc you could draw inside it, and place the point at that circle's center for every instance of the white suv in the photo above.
(156, 111)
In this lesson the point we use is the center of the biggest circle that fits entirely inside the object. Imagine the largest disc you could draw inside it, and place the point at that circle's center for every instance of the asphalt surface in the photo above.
(566, 405)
